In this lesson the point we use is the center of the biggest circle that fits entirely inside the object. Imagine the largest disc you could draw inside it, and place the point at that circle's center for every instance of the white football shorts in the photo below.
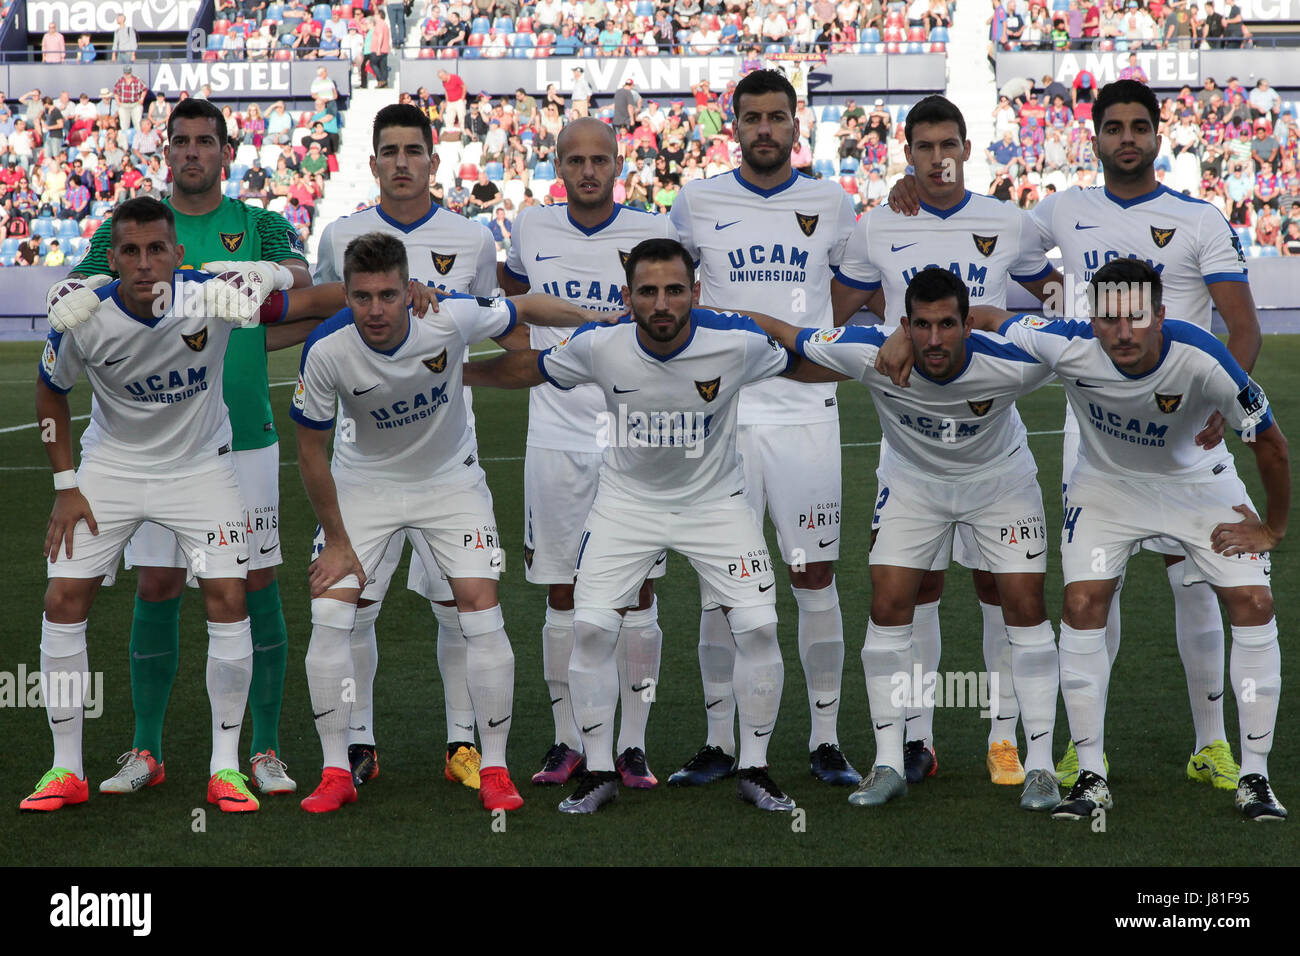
(913, 519)
(623, 540)
(203, 511)
(1105, 518)
(793, 472)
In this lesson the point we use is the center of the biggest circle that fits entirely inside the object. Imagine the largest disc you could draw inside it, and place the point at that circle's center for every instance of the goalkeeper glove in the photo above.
(72, 301)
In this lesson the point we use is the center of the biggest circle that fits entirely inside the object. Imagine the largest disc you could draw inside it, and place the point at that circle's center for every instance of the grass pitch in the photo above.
(411, 815)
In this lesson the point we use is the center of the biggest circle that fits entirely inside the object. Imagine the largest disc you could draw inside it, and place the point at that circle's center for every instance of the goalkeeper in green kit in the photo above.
(222, 233)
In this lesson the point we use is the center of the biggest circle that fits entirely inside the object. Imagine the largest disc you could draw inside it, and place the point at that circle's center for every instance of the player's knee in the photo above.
(560, 597)
(891, 610)
(986, 588)
(1024, 610)
(224, 599)
(156, 585)
(814, 576)
(1084, 608)
(1249, 607)
(931, 588)
(66, 602)
(745, 619)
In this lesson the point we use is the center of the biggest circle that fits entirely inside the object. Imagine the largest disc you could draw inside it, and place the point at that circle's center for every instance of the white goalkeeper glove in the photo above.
(72, 301)
(238, 289)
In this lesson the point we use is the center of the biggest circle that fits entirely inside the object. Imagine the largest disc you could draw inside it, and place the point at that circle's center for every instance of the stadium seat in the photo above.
(237, 171)
(480, 25)
(1243, 233)
(495, 171)
(219, 28)
(524, 25)
(44, 227)
(468, 171)
(544, 170)
(936, 47)
(68, 228)
(231, 189)
(824, 168)
(545, 44)
(89, 225)
(895, 19)
(426, 53)
(849, 165)
(916, 34)
(521, 45)
(870, 35)
(216, 41)
(832, 114)
(915, 48)
(504, 25)
(275, 11)
(644, 8)
(893, 48)
(849, 184)
(282, 54)
(76, 247)
(939, 35)
(9, 249)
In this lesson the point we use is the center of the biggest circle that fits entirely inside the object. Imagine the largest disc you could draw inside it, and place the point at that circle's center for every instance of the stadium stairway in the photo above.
(352, 184)
(971, 85)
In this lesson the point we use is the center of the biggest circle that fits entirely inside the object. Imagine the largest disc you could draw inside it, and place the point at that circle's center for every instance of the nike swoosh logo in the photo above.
(587, 730)
(232, 799)
(913, 717)
(883, 726)
(542, 258)
(243, 560)
(761, 589)
(144, 657)
(1260, 737)
(1214, 697)
(1000, 717)
(1037, 735)
(1080, 743)
(821, 706)
(271, 647)
(894, 248)
(62, 720)
(1080, 226)
(323, 713)
(1030, 557)
(268, 550)
(498, 723)
(624, 391)
(357, 729)
(116, 360)
(226, 726)
(1082, 384)
(827, 544)
(662, 558)
(556, 701)
(761, 733)
(708, 706)
(735, 493)
(362, 391)
(464, 726)
(637, 688)
(719, 226)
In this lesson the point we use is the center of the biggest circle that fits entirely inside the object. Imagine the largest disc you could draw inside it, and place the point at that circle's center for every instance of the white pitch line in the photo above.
(18, 428)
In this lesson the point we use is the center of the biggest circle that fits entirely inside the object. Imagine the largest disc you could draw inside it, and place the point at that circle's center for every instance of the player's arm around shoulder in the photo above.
(520, 368)
(72, 300)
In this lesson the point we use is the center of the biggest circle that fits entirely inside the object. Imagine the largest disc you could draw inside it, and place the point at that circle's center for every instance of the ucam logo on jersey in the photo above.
(160, 388)
(405, 411)
(793, 258)
(655, 429)
(1133, 430)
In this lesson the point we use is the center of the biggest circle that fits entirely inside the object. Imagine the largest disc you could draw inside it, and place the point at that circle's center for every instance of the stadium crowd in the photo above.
(1115, 25)
(65, 162)
(1237, 148)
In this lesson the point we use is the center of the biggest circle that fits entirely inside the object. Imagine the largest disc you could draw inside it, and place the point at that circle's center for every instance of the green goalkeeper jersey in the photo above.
(233, 231)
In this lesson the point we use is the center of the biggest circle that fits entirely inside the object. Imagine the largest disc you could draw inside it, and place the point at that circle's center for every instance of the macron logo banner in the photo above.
(100, 16)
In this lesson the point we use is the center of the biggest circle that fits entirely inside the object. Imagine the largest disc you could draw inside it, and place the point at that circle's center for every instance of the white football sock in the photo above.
(593, 682)
(925, 643)
(717, 664)
(65, 673)
(557, 647)
(997, 660)
(821, 651)
(1199, 626)
(452, 667)
(329, 664)
(230, 673)
(1256, 668)
(365, 661)
(1085, 678)
(490, 670)
(887, 663)
(759, 680)
(1037, 679)
(639, 644)
(1113, 622)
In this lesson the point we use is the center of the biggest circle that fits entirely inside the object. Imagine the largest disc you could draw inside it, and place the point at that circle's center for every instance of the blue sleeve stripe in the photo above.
(789, 360)
(1265, 423)
(801, 339)
(515, 275)
(1214, 277)
(1002, 329)
(514, 319)
(1003, 350)
(541, 366)
(303, 420)
(1196, 337)
(46, 379)
(1042, 273)
(855, 283)
(339, 320)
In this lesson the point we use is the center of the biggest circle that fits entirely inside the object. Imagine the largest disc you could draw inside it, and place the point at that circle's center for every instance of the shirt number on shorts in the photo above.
(1071, 516)
(880, 503)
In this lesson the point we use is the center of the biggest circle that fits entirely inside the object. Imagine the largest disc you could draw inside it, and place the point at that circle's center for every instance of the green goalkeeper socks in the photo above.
(155, 643)
(270, 657)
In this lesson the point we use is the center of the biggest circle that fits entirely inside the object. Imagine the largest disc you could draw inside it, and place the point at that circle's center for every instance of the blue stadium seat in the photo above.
(100, 208)
(544, 170)
(44, 227)
(1243, 233)
(870, 35)
(237, 172)
(939, 35)
(1060, 6)
(275, 11)
(68, 228)
(521, 44)
(824, 168)
(644, 8)
(914, 48)
(9, 249)
(321, 12)
(480, 25)
(774, 48)
(849, 165)
(75, 247)
(504, 25)
(216, 41)
(472, 52)
(832, 114)
(232, 189)
(495, 171)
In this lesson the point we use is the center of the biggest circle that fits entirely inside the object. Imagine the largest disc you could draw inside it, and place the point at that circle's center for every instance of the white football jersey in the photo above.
(551, 253)
(669, 426)
(1144, 427)
(770, 251)
(401, 412)
(966, 427)
(443, 250)
(157, 407)
(1186, 240)
(984, 242)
